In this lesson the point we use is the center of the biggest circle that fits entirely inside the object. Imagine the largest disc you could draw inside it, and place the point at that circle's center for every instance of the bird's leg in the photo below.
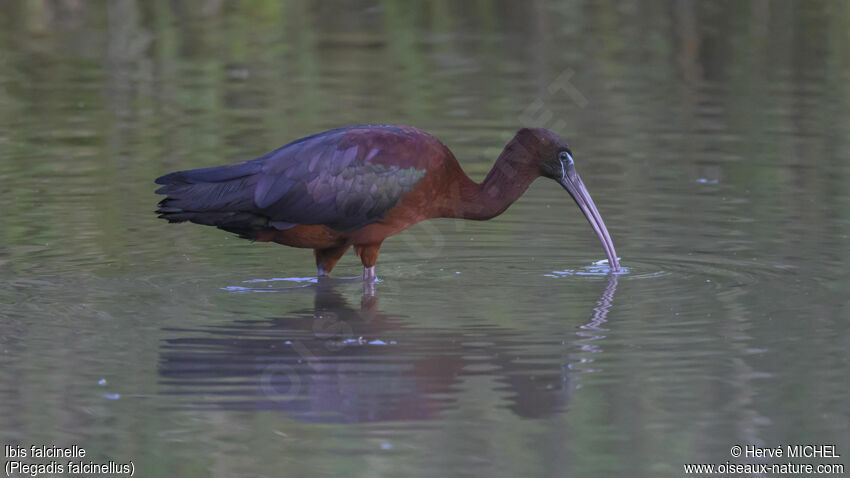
(326, 259)
(369, 281)
(368, 256)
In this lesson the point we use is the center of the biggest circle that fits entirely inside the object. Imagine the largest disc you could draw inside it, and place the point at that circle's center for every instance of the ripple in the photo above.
(711, 269)
(301, 282)
(288, 279)
(723, 271)
(598, 268)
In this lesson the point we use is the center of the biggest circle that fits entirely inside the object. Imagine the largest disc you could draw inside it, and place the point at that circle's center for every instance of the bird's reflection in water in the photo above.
(591, 333)
(338, 363)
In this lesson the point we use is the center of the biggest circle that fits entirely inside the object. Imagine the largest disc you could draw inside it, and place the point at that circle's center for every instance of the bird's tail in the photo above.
(221, 197)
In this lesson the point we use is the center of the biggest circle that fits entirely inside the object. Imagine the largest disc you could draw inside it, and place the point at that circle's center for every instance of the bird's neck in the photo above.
(504, 184)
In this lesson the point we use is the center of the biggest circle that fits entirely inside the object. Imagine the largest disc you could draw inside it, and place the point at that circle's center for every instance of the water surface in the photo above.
(713, 138)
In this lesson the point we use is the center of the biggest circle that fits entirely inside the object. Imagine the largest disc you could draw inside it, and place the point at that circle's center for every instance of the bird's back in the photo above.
(344, 179)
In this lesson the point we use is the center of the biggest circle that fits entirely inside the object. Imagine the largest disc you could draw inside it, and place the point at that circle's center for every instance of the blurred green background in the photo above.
(713, 136)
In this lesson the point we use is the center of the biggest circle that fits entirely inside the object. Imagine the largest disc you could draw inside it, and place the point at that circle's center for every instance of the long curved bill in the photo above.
(574, 185)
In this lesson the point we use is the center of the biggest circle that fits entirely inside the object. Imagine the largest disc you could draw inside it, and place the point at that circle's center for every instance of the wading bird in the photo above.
(359, 185)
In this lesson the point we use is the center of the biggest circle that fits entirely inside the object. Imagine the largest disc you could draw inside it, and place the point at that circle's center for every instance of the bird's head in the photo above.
(552, 155)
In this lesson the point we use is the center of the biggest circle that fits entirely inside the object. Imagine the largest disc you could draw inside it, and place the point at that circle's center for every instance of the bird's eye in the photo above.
(565, 156)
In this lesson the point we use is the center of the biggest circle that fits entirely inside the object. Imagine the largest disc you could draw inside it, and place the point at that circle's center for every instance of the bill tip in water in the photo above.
(613, 266)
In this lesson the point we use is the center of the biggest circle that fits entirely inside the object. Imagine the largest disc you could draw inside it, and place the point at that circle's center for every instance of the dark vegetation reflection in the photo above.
(339, 362)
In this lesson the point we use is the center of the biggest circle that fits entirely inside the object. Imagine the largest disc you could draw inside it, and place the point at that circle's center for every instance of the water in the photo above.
(713, 138)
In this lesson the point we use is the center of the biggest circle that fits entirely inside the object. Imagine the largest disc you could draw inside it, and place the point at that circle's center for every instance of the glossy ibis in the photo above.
(357, 186)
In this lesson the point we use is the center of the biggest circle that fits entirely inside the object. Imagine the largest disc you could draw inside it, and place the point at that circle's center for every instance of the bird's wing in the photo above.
(331, 179)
